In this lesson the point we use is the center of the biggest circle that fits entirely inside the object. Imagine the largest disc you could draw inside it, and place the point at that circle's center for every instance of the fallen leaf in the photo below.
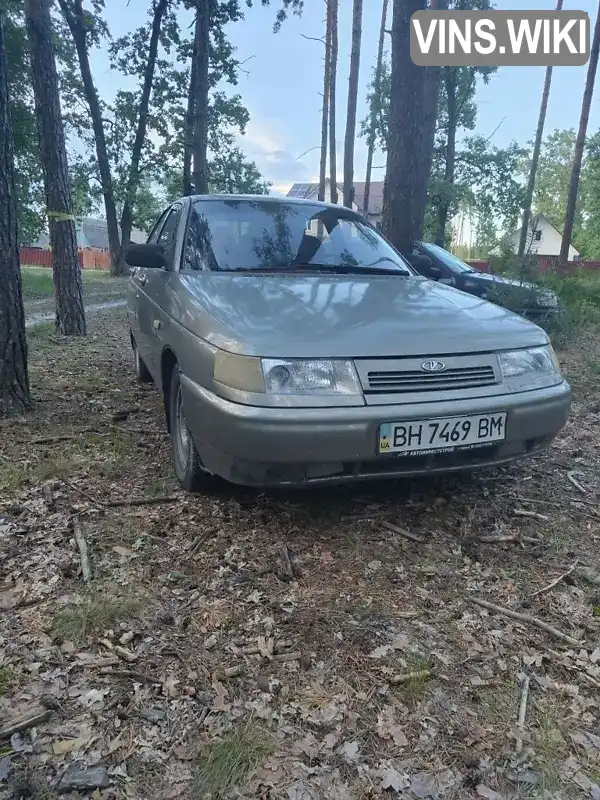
(392, 779)
(388, 729)
(4, 767)
(123, 551)
(490, 794)
(350, 750)
(64, 746)
(423, 785)
(381, 651)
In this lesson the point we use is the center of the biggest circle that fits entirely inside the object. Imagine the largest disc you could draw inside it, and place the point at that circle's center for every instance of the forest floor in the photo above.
(318, 644)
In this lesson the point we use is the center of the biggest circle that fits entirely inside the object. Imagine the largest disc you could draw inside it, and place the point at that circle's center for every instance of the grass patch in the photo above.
(93, 615)
(41, 332)
(37, 282)
(15, 477)
(227, 762)
(417, 686)
(549, 745)
(7, 678)
(160, 487)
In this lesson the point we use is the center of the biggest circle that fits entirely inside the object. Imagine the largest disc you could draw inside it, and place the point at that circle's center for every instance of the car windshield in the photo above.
(452, 262)
(262, 235)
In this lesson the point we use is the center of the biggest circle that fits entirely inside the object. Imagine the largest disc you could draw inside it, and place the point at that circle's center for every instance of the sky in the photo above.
(283, 84)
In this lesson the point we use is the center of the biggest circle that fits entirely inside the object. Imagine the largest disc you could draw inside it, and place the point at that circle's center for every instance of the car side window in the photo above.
(198, 254)
(158, 227)
(168, 233)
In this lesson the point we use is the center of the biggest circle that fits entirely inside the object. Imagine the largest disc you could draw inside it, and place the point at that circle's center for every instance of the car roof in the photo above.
(269, 198)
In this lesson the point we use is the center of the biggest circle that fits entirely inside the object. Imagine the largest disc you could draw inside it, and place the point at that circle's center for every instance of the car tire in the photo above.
(186, 461)
(142, 373)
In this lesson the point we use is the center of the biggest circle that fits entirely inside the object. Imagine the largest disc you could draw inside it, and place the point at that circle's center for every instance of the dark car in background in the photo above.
(523, 297)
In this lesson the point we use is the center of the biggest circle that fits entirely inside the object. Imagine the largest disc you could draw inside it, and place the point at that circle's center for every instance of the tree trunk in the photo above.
(326, 96)
(373, 122)
(431, 92)
(201, 47)
(579, 144)
(357, 8)
(133, 178)
(70, 315)
(74, 16)
(188, 143)
(332, 88)
(445, 202)
(401, 221)
(14, 380)
(528, 199)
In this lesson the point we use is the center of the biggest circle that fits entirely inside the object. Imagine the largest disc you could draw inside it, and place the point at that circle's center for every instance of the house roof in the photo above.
(92, 233)
(307, 190)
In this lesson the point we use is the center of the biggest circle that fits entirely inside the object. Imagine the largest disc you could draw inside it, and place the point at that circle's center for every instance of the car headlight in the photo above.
(524, 370)
(300, 376)
(289, 376)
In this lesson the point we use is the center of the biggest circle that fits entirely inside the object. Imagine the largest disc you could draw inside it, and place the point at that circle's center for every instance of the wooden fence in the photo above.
(88, 259)
(544, 264)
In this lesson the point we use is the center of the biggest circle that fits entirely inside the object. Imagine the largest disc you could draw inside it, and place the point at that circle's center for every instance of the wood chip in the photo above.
(125, 654)
(522, 712)
(138, 677)
(538, 623)
(522, 512)
(402, 532)
(35, 716)
(553, 583)
(571, 478)
(86, 569)
(141, 501)
(286, 657)
(286, 559)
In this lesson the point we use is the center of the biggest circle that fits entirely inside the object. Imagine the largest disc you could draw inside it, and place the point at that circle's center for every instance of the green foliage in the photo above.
(552, 187)
(232, 173)
(553, 177)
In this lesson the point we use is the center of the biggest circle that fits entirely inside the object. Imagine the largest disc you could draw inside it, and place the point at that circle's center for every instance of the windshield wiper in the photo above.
(349, 269)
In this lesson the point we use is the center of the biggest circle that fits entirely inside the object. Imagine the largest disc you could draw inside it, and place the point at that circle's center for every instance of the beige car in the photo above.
(293, 345)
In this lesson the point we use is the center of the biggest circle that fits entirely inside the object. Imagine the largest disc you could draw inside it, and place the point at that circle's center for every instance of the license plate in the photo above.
(441, 435)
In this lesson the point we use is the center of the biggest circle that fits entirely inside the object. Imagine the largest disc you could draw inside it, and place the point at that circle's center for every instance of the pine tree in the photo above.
(70, 314)
(14, 380)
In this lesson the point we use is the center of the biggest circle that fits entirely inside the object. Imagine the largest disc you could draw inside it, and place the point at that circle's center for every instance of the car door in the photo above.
(153, 285)
(137, 298)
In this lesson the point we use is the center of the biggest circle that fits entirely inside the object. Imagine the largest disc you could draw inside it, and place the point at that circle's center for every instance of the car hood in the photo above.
(314, 316)
(500, 281)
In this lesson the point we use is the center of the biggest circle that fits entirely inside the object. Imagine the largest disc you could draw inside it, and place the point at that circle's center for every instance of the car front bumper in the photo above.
(297, 446)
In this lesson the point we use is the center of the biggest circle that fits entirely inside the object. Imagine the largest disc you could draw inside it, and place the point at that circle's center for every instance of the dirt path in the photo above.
(45, 314)
(194, 660)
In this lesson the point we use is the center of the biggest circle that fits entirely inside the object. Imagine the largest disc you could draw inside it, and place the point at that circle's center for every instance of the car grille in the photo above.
(419, 381)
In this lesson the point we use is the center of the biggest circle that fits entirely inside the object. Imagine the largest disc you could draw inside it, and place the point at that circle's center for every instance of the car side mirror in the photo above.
(425, 266)
(151, 256)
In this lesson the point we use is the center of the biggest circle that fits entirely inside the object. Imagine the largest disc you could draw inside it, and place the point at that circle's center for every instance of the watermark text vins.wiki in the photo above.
(500, 38)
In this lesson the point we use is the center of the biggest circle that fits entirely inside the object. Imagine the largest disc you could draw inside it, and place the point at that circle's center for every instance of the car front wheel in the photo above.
(186, 460)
